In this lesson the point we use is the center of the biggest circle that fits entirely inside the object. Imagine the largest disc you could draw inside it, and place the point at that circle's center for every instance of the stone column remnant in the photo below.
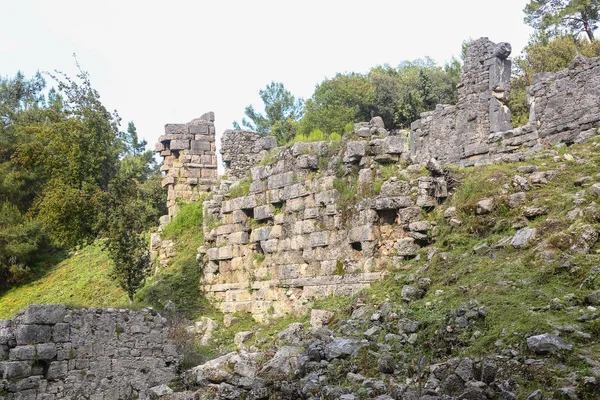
(190, 162)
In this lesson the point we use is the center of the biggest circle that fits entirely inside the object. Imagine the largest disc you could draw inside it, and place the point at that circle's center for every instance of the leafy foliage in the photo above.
(127, 246)
(282, 111)
(559, 17)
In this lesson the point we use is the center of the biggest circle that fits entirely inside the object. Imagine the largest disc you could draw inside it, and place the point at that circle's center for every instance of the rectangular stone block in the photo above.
(179, 145)
(33, 334)
(198, 147)
(288, 271)
(15, 369)
(269, 246)
(176, 128)
(22, 353)
(57, 370)
(260, 234)
(263, 212)
(238, 216)
(293, 191)
(319, 239)
(364, 233)
(276, 232)
(239, 238)
(281, 180)
(201, 129)
(44, 314)
(392, 203)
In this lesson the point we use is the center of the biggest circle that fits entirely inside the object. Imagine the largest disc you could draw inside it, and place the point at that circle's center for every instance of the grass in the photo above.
(316, 136)
(83, 280)
(180, 281)
(241, 189)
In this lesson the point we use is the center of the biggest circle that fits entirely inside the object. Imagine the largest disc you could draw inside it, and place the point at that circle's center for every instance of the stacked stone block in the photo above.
(51, 352)
(564, 107)
(241, 150)
(291, 241)
(458, 134)
(190, 162)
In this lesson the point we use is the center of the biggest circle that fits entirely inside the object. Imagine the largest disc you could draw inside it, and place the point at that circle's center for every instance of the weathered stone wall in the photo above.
(292, 239)
(190, 162)
(456, 133)
(241, 150)
(52, 352)
(564, 107)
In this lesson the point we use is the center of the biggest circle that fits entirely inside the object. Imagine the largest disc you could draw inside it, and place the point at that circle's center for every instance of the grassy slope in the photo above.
(81, 280)
(526, 291)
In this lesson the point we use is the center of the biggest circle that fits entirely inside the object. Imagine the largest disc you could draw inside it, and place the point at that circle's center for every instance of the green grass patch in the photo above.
(82, 280)
(241, 189)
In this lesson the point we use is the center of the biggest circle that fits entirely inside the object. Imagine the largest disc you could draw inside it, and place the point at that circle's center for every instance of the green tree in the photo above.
(137, 160)
(127, 246)
(336, 102)
(559, 17)
(73, 151)
(282, 111)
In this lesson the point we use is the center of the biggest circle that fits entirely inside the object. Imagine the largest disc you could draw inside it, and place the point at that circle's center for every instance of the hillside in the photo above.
(82, 280)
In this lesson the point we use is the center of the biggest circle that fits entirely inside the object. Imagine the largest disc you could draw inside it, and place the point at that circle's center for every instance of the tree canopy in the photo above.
(282, 111)
(61, 156)
(559, 17)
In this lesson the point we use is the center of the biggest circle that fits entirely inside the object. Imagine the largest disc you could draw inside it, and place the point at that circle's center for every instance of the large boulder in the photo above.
(546, 343)
(342, 347)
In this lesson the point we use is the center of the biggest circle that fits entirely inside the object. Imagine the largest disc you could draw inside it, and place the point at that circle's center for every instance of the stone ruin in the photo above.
(290, 239)
(564, 107)
(190, 163)
(53, 352)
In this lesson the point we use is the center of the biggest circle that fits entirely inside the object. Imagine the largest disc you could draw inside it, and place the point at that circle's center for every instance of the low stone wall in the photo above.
(242, 150)
(292, 239)
(52, 352)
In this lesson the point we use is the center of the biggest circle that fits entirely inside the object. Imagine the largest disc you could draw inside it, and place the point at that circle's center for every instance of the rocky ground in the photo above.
(502, 305)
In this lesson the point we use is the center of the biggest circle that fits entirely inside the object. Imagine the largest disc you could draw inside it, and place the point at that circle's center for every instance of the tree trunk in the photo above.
(588, 30)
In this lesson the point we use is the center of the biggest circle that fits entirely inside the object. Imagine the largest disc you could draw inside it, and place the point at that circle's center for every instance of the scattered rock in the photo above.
(533, 211)
(521, 184)
(342, 347)
(320, 318)
(410, 293)
(485, 206)
(242, 337)
(595, 189)
(546, 343)
(516, 199)
(522, 237)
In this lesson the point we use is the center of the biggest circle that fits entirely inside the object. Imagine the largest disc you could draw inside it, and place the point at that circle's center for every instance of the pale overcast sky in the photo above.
(171, 61)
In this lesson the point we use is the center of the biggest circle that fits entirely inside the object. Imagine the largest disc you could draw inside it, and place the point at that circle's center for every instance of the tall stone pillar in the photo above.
(190, 162)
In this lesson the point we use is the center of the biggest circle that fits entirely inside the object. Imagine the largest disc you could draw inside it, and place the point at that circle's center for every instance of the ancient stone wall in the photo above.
(294, 238)
(52, 352)
(190, 162)
(241, 150)
(453, 134)
(564, 107)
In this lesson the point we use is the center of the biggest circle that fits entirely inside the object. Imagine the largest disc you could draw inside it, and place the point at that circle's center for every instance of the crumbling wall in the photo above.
(241, 150)
(564, 107)
(52, 352)
(458, 134)
(190, 163)
(294, 238)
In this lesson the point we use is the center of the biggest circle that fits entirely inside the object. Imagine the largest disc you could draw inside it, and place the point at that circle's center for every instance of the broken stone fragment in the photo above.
(485, 206)
(320, 318)
(522, 237)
